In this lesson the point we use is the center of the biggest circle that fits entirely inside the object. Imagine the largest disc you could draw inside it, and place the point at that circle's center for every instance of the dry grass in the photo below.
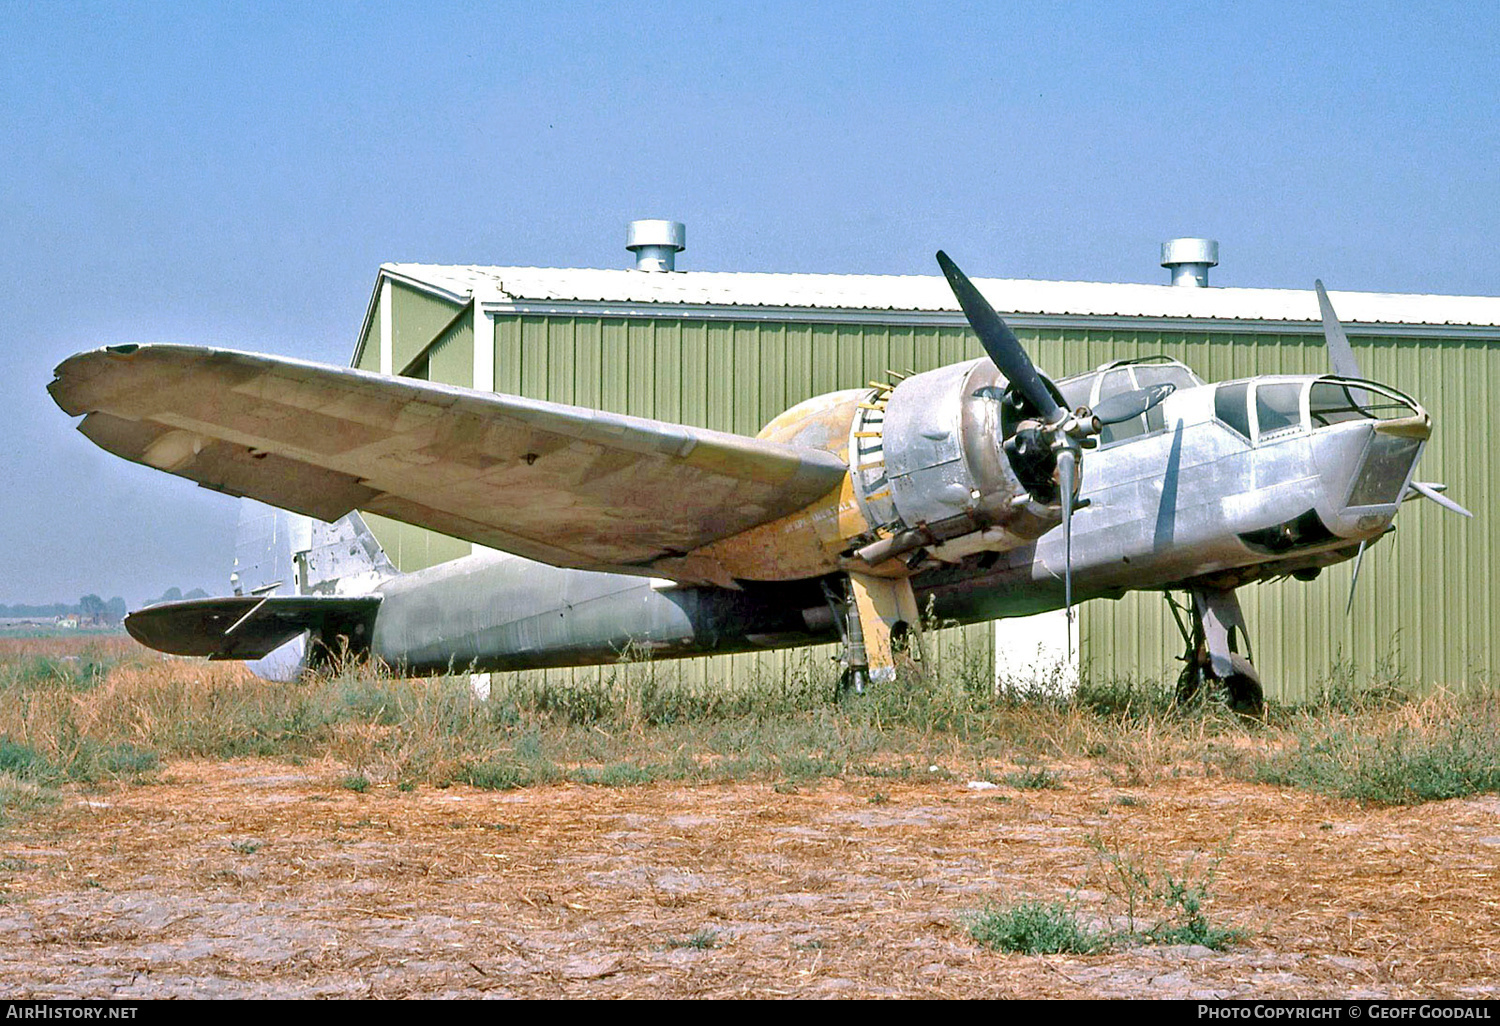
(359, 835)
(14, 648)
(94, 714)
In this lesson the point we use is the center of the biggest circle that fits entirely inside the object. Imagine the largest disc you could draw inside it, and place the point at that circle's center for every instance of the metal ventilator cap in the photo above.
(1189, 260)
(656, 244)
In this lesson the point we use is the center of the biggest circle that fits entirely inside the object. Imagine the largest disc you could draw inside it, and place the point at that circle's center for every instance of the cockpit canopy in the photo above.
(1266, 408)
(1126, 376)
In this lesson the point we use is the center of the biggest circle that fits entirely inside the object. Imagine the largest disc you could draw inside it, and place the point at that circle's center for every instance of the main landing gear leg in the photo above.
(1214, 661)
(882, 607)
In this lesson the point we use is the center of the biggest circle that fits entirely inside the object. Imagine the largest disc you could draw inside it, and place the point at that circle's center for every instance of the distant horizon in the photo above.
(183, 593)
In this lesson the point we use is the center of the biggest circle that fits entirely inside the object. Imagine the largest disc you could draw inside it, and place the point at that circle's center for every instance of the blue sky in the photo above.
(234, 174)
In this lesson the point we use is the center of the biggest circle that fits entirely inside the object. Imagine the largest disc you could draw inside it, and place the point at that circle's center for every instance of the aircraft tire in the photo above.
(1242, 689)
(1246, 696)
(851, 683)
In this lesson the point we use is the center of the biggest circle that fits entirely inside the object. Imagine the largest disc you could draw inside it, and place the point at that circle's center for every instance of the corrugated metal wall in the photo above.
(416, 319)
(420, 322)
(1427, 603)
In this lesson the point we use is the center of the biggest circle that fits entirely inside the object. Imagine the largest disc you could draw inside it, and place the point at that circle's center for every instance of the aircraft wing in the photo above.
(561, 484)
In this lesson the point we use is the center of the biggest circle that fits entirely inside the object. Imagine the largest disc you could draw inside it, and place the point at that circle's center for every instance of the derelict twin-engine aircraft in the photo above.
(982, 488)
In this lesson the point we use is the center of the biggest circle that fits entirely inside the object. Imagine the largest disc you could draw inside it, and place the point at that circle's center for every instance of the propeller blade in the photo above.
(1358, 559)
(1430, 492)
(1340, 353)
(1129, 405)
(1000, 342)
(1066, 469)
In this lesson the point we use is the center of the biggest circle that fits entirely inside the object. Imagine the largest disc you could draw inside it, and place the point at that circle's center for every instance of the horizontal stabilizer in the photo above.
(246, 627)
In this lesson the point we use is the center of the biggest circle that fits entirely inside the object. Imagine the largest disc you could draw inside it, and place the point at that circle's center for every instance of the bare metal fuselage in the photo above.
(1192, 500)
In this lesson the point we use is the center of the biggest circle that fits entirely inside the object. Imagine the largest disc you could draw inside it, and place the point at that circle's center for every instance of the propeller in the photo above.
(1129, 405)
(1434, 492)
(1354, 580)
(1067, 469)
(1340, 353)
(1342, 362)
(1065, 430)
(1001, 344)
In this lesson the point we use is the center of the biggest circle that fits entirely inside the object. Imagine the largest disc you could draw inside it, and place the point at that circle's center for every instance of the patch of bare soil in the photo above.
(259, 879)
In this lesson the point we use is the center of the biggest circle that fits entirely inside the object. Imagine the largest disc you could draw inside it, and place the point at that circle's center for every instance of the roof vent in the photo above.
(656, 244)
(1189, 260)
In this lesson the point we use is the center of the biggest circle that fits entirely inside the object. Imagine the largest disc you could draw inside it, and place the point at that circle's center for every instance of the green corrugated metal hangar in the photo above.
(732, 350)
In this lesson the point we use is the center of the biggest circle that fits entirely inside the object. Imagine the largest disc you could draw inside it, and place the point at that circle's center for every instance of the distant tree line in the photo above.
(93, 608)
(176, 595)
(90, 607)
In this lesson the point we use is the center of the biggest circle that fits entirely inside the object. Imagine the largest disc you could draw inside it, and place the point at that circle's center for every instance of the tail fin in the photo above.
(285, 557)
(281, 553)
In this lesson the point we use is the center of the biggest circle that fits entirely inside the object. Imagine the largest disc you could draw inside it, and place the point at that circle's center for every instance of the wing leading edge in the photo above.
(561, 484)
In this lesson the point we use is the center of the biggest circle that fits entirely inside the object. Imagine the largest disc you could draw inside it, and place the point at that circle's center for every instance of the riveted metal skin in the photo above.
(945, 475)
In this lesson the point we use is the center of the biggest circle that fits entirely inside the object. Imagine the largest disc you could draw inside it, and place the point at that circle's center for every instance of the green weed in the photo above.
(1159, 905)
(76, 673)
(701, 941)
(125, 758)
(1442, 747)
(1033, 928)
(620, 774)
(22, 761)
(19, 795)
(1038, 779)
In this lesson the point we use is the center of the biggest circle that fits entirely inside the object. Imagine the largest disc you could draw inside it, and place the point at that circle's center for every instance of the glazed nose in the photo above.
(1385, 466)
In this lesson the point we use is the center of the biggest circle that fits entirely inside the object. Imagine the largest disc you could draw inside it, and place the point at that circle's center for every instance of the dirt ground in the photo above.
(260, 879)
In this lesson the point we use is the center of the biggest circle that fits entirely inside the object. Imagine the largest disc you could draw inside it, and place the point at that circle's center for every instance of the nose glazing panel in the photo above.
(1382, 475)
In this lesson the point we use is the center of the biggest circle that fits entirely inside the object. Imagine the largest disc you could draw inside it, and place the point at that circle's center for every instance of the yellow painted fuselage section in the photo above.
(809, 542)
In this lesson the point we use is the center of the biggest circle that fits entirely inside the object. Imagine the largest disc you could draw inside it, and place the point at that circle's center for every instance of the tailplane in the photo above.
(304, 591)
(277, 552)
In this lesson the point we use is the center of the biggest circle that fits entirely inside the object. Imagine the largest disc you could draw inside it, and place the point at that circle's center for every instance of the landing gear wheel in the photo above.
(1241, 689)
(851, 682)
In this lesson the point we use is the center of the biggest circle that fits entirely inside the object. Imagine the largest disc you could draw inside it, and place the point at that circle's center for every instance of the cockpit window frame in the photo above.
(1377, 406)
(1304, 420)
(1222, 388)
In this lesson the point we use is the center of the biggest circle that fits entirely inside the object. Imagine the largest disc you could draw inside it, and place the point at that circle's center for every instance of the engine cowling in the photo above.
(948, 461)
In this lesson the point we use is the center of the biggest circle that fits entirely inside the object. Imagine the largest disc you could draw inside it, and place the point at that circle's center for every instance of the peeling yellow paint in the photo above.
(806, 543)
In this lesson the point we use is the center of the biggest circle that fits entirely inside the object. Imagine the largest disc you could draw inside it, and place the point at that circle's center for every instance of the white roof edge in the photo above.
(926, 299)
(395, 273)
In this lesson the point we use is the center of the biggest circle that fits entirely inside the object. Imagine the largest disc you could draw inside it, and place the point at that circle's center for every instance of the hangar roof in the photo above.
(925, 298)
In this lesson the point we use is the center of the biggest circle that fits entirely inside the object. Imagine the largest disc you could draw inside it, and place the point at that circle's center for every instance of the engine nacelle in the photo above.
(943, 462)
(929, 467)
